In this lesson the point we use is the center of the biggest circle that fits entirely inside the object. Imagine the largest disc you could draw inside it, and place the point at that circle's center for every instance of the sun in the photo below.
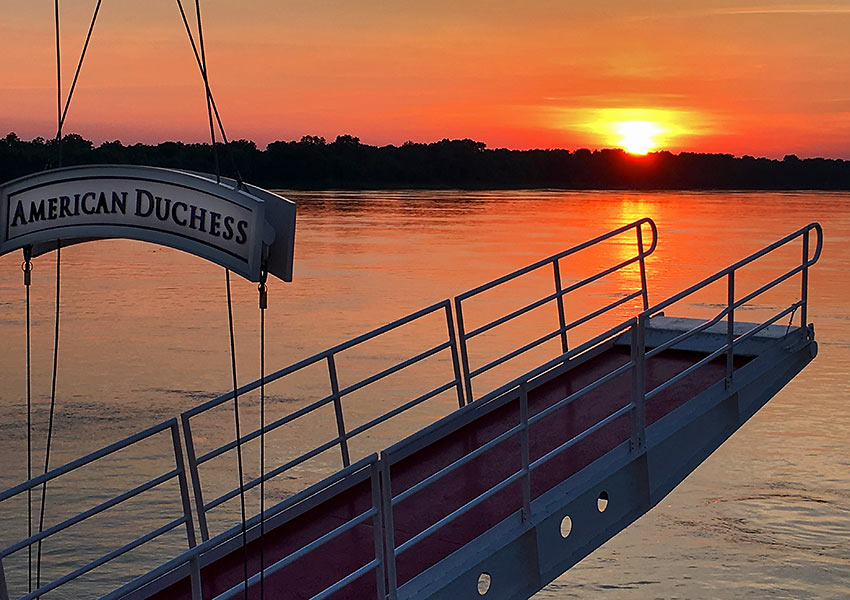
(637, 137)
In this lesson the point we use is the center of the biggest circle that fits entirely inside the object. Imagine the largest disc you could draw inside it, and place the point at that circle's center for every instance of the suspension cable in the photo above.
(201, 60)
(56, 317)
(205, 75)
(64, 113)
(263, 305)
(26, 267)
(52, 411)
(58, 85)
(238, 430)
(211, 98)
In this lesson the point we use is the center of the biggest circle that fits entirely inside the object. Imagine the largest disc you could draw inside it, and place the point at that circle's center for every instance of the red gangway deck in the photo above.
(317, 570)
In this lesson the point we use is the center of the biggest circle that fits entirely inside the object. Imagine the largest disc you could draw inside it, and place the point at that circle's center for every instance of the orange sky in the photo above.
(762, 77)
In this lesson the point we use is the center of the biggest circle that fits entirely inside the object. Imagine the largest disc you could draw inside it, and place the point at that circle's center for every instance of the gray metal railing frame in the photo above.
(558, 295)
(179, 472)
(296, 505)
(514, 390)
(335, 398)
(518, 389)
(728, 312)
(378, 469)
(374, 513)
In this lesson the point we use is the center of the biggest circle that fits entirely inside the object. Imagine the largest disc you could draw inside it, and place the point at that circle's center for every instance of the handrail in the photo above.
(179, 472)
(728, 312)
(377, 563)
(341, 434)
(563, 254)
(656, 308)
(642, 252)
(276, 515)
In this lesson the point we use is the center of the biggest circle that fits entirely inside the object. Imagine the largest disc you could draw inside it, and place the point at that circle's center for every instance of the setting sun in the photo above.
(637, 130)
(637, 137)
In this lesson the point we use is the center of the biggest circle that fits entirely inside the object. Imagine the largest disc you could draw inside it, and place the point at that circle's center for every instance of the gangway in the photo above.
(516, 485)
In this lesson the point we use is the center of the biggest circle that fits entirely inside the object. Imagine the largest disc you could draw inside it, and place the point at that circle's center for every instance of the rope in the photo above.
(211, 99)
(52, 407)
(263, 305)
(27, 269)
(238, 430)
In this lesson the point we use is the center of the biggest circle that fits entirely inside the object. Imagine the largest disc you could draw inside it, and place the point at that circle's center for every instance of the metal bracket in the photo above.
(4, 591)
(638, 444)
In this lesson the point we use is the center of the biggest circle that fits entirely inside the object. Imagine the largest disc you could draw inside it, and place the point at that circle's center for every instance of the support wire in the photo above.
(238, 431)
(263, 305)
(201, 60)
(58, 288)
(207, 92)
(58, 85)
(64, 112)
(51, 414)
(27, 269)
(203, 70)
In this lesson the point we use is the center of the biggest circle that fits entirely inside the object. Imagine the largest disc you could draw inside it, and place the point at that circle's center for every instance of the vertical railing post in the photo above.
(804, 291)
(378, 529)
(464, 354)
(195, 569)
(196, 478)
(340, 423)
(639, 229)
(556, 268)
(455, 360)
(526, 479)
(4, 589)
(389, 535)
(638, 360)
(730, 329)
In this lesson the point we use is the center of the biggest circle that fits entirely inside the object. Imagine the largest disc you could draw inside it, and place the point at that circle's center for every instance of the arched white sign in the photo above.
(241, 228)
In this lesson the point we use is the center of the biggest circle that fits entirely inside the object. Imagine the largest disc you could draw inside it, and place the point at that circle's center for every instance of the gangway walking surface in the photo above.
(507, 492)
(311, 574)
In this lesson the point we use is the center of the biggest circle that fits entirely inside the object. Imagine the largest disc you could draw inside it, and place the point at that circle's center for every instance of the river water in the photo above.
(144, 336)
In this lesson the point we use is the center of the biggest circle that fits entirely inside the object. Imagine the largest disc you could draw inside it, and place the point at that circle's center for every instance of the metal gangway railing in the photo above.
(342, 435)
(378, 470)
(557, 297)
(38, 539)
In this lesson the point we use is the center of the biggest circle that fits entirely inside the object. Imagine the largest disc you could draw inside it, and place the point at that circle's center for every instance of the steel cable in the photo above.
(27, 268)
(51, 414)
(263, 304)
(64, 113)
(238, 431)
(207, 93)
(211, 98)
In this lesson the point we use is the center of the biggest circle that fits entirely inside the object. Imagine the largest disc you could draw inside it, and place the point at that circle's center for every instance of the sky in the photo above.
(765, 78)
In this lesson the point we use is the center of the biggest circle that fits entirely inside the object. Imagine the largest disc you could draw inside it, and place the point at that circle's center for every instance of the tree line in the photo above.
(346, 163)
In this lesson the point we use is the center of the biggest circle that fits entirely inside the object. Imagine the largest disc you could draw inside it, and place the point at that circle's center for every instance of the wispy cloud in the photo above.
(782, 9)
(798, 9)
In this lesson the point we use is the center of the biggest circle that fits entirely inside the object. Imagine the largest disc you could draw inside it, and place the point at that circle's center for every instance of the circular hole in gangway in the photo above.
(566, 526)
(602, 501)
(484, 581)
